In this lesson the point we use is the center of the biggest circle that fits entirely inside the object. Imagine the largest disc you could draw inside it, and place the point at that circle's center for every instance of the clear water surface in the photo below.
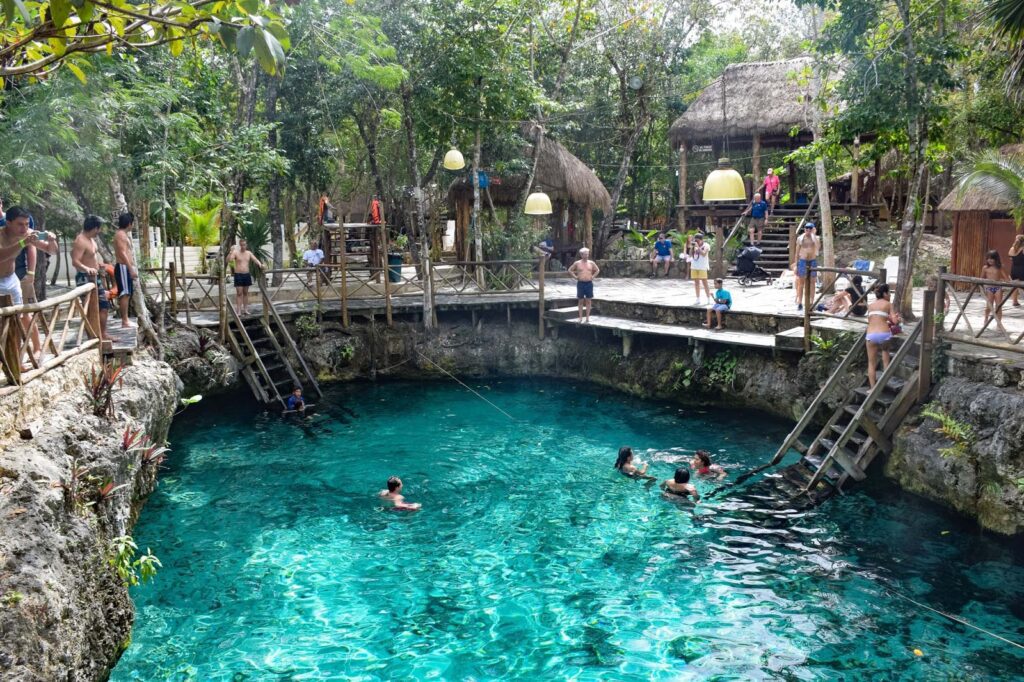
(533, 559)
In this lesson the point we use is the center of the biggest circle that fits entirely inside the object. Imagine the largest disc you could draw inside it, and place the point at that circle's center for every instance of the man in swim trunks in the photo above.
(584, 271)
(243, 259)
(394, 495)
(757, 211)
(86, 260)
(14, 237)
(125, 272)
(807, 247)
(662, 253)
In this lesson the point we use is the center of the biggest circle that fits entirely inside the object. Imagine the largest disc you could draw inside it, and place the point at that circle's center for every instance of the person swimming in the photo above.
(394, 495)
(679, 486)
(624, 463)
(701, 464)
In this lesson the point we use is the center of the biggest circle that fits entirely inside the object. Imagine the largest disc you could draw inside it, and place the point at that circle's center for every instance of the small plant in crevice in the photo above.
(11, 599)
(346, 353)
(76, 494)
(307, 327)
(154, 455)
(1020, 485)
(684, 376)
(715, 374)
(831, 349)
(960, 433)
(132, 438)
(105, 490)
(100, 383)
(132, 571)
(204, 343)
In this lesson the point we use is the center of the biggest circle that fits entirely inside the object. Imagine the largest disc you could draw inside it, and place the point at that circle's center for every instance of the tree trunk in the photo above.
(620, 181)
(368, 133)
(828, 252)
(421, 223)
(474, 219)
(274, 187)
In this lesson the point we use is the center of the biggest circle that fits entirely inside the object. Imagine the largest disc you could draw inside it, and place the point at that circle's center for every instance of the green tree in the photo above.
(1000, 176)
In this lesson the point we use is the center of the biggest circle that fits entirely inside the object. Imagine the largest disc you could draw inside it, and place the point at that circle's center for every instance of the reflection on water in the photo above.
(534, 559)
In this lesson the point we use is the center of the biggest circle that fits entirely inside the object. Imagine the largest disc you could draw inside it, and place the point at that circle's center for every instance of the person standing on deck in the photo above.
(771, 186)
(697, 255)
(86, 261)
(125, 272)
(807, 248)
(881, 320)
(313, 257)
(662, 253)
(993, 270)
(584, 271)
(243, 260)
(757, 211)
(1016, 254)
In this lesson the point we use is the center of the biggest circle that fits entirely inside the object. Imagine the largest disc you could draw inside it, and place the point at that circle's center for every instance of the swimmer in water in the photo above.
(624, 463)
(394, 495)
(680, 487)
(701, 463)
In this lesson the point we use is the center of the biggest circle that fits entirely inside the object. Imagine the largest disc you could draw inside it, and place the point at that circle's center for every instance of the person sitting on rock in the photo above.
(722, 304)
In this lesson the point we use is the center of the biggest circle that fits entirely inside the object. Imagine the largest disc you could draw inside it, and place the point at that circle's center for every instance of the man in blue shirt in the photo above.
(758, 211)
(662, 253)
(722, 304)
(295, 403)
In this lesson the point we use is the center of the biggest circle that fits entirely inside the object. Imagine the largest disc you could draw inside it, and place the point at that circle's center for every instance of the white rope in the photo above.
(958, 620)
(464, 385)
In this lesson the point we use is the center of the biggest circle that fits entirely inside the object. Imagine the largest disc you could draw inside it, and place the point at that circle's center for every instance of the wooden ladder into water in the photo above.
(860, 426)
(270, 361)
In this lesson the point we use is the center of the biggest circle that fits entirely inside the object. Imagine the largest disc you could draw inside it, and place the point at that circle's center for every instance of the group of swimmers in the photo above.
(679, 485)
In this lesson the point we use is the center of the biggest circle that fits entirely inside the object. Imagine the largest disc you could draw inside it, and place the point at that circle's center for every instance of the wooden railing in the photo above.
(954, 324)
(36, 337)
(811, 302)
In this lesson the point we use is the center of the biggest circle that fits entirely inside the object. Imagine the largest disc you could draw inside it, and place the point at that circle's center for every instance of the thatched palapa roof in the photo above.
(979, 200)
(559, 173)
(768, 98)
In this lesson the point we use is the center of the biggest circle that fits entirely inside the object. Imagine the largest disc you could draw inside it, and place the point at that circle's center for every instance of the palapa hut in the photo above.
(981, 222)
(574, 189)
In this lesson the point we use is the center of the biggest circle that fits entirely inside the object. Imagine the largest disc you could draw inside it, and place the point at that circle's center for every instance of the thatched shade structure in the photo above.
(755, 105)
(981, 223)
(572, 186)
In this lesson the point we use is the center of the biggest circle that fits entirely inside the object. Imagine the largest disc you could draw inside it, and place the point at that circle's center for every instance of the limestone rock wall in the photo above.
(64, 612)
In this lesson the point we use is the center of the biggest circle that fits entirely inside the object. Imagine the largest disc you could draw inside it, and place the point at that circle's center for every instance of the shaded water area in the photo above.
(533, 558)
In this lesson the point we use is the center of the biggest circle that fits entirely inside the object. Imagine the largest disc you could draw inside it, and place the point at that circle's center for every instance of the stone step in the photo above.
(568, 313)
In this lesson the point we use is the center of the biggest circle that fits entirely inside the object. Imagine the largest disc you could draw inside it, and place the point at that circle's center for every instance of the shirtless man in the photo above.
(243, 259)
(15, 237)
(125, 272)
(86, 260)
(394, 495)
(584, 271)
(807, 247)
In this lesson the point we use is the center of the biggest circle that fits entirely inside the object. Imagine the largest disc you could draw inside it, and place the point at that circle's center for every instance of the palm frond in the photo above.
(997, 175)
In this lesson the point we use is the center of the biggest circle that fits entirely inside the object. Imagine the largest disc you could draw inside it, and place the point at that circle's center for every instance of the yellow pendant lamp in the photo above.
(453, 160)
(724, 184)
(538, 203)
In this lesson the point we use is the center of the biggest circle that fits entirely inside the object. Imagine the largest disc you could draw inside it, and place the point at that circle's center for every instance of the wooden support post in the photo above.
(940, 297)
(221, 310)
(876, 190)
(173, 288)
(319, 295)
(588, 227)
(808, 300)
(719, 250)
(144, 238)
(855, 172)
(755, 163)
(508, 315)
(791, 172)
(683, 199)
(344, 291)
(387, 275)
(627, 344)
(93, 311)
(540, 295)
(11, 349)
(924, 369)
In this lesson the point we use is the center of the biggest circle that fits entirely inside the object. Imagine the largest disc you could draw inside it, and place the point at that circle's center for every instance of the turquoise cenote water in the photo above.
(534, 559)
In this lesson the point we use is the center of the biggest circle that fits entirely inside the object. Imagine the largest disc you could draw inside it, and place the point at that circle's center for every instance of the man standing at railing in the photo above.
(243, 260)
(807, 247)
(86, 261)
(584, 271)
(14, 237)
(125, 272)
(313, 257)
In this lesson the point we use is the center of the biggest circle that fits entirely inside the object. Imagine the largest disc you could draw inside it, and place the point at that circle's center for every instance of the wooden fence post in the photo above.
(387, 274)
(222, 317)
(540, 295)
(924, 370)
(808, 301)
(11, 348)
(940, 296)
(92, 311)
(319, 294)
(344, 291)
(173, 289)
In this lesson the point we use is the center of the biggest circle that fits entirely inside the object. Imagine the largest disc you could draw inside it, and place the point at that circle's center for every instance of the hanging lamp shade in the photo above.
(724, 184)
(453, 160)
(538, 203)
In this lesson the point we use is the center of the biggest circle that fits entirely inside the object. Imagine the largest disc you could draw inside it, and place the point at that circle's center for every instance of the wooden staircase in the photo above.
(777, 238)
(860, 427)
(270, 361)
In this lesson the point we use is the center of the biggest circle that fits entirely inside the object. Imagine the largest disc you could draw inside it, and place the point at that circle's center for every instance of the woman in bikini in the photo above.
(881, 317)
(679, 487)
(624, 463)
(701, 464)
(993, 269)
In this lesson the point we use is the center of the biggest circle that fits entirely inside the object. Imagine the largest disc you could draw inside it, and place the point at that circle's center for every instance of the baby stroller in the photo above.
(747, 269)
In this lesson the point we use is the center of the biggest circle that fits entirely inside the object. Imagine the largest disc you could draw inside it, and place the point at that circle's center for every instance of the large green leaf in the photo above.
(60, 10)
(244, 41)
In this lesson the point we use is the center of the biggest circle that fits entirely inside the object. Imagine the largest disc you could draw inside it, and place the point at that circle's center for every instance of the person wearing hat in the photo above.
(87, 261)
(807, 248)
(697, 256)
